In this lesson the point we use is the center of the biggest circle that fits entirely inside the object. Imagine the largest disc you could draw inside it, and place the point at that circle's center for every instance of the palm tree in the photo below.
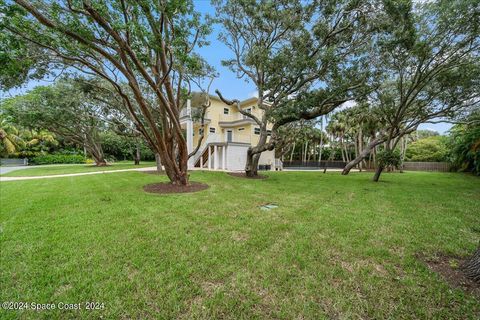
(10, 141)
(39, 140)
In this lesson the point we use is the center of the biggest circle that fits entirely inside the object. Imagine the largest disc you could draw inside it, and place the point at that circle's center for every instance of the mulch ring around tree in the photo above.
(167, 187)
(154, 172)
(243, 175)
(449, 268)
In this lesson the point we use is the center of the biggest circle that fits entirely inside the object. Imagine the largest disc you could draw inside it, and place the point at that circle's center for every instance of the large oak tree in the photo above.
(304, 58)
(64, 109)
(150, 45)
(429, 65)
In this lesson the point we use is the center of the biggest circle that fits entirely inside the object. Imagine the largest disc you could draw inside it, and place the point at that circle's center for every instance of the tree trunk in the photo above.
(365, 152)
(320, 152)
(471, 267)
(306, 152)
(99, 160)
(378, 172)
(137, 155)
(356, 145)
(159, 163)
(251, 167)
(97, 155)
(293, 151)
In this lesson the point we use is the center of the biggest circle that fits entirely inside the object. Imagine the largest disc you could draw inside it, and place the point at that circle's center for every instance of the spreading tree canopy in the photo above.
(305, 58)
(428, 62)
(149, 45)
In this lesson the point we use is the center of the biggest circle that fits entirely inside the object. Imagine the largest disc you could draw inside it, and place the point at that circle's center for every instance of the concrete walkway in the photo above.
(7, 169)
(74, 174)
(316, 169)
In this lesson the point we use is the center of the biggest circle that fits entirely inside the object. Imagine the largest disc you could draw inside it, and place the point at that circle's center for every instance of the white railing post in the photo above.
(209, 158)
(189, 124)
(215, 157)
(224, 156)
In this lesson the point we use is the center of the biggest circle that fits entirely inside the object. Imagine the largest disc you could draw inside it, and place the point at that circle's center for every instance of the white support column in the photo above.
(189, 133)
(201, 161)
(215, 157)
(209, 158)
(224, 160)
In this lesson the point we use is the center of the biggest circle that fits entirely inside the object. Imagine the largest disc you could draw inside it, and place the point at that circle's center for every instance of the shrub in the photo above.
(389, 159)
(58, 159)
(464, 146)
(428, 149)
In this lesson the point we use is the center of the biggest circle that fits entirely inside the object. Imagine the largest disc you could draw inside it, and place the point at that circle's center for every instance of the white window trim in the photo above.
(226, 134)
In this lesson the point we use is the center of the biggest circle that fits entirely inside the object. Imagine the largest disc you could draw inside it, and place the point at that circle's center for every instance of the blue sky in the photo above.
(227, 82)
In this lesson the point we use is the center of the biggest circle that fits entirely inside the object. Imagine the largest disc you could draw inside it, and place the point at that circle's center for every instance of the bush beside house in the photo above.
(58, 159)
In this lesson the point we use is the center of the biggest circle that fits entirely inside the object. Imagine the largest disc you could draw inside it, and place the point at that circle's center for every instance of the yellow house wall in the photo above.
(215, 114)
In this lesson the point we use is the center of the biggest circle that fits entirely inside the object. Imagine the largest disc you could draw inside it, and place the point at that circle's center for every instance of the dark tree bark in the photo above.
(471, 267)
(251, 167)
(378, 172)
(137, 155)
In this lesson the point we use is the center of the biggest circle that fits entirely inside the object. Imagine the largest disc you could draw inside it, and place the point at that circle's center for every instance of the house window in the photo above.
(241, 129)
(200, 131)
(269, 133)
(212, 130)
(248, 110)
(226, 111)
(256, 131)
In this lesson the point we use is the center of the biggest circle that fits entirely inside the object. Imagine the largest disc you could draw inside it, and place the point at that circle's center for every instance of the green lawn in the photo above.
(75, 168)
(336, 247)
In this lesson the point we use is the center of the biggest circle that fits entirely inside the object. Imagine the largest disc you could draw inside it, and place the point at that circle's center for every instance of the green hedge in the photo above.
(58, 159)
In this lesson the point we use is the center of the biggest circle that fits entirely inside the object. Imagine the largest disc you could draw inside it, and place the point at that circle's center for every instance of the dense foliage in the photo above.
(58, 159)
(464, 144)
(118, 147)
(433, 148)
(389, 158)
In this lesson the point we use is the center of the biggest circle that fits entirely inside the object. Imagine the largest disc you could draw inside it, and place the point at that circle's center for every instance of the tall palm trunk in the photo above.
(293, 151)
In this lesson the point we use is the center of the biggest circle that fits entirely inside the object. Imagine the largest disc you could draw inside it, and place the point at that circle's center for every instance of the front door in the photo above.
(229, 136)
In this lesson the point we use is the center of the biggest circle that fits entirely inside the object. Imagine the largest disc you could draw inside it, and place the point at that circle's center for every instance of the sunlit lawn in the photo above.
(75, 168)
(336, 246)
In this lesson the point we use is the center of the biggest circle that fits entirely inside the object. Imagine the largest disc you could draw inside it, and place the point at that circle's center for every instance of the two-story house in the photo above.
(227, 137)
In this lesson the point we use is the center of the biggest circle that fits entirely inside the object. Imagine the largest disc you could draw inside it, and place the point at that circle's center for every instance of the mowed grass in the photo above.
(75, 168)
(336, 247)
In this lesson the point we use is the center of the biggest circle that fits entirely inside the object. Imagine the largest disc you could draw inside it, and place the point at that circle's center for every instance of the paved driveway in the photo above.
(7, 169)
